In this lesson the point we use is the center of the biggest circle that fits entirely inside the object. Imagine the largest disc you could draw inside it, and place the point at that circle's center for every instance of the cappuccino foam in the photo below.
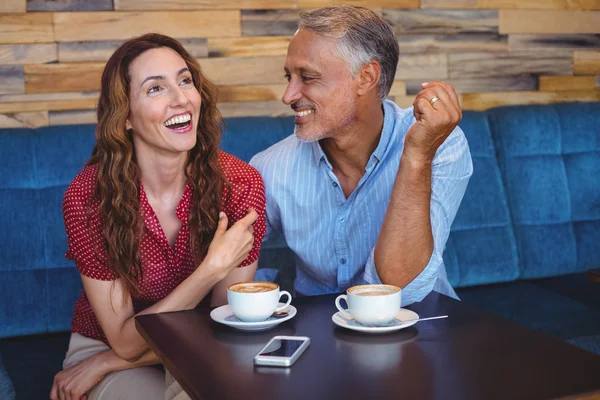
(253, 287)
(374, 293)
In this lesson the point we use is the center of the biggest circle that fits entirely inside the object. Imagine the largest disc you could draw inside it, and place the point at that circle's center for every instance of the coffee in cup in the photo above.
(371, 305)
(255, 301)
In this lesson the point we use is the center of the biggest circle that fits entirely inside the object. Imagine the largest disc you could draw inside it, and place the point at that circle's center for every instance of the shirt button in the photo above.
(342, 261)
(342, 219)
(335, 184)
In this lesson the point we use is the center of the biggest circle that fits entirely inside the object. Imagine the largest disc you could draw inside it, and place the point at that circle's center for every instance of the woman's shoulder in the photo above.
(83, 186)
(236, 170)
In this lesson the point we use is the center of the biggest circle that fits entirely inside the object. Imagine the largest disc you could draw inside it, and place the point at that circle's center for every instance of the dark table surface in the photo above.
(470, 355)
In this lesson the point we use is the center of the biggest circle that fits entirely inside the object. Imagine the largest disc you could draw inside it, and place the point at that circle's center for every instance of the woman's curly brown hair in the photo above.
(118, 189)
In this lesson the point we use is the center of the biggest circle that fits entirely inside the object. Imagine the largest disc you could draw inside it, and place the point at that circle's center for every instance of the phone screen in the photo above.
(282, 348)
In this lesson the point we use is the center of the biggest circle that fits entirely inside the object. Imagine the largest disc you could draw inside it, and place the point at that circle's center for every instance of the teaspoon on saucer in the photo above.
(279, 314)
(423, 319)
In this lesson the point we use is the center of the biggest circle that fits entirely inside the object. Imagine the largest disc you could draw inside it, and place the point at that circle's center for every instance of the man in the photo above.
(365, 192)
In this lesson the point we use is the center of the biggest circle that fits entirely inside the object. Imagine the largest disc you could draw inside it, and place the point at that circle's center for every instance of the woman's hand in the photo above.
(74, 382)
(230, 247)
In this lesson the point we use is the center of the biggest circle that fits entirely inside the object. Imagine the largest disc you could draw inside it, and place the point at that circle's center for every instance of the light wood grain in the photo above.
(441, 21)
(540, 4)
(551, 42)
(398, 88)
(19, 54)
(244, 71)
(484, 101)
(272, 108)
(465, 42)
(248, 46)
(422, 66)
(47, 97)
(561, 83)
(586, 62)
(248, 93)
(82, 26)
(12, 78)
(101, 51)
(549, 21)
(449, 4)
(77, 117)
(26, 28)
(13, 6)
(24, 120)
(49, 105)
(68, 77)
(486, 84)
(270, 22)
(69, 5)
(463, 65)
(128, 5)
(361, 3)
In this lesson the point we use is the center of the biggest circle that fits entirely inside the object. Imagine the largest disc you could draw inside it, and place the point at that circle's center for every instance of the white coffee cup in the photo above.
(371, 305)
(255, 301)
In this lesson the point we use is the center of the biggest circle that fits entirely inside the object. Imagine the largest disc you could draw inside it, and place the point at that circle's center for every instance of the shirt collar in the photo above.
(384, 140)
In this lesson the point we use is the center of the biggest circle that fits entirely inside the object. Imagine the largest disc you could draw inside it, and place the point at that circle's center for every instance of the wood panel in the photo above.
(486, 84)
(463, 65)
(69, 5)
(540, 4)
(270, 22)
(248, 46)
(26, 28)
(117, 25)
(50, 105)
(101, 51)
(586, 62)
(551, 42)
(24, 120)
(203, 4)
(47, 97)
(408, 22)
(422, 66)
(469, 42)
(248, 93)
(244, 71)
(361, 3)
(19, 54)
(449, 4)
(274, 108)
(71, 77)
(13, 6)
(398, 88)
(76, 117)
(484, 101)
(561, 83)
(12, 79)
(549, 21)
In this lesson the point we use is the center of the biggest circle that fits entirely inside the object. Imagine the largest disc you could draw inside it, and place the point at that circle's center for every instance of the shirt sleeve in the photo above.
(249, 192)
(84, 233)
(451, 170)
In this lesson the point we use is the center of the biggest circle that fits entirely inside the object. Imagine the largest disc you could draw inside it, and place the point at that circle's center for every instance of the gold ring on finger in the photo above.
(434, 99)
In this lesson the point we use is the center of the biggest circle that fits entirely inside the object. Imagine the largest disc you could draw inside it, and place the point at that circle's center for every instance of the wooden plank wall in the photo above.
(495, 52)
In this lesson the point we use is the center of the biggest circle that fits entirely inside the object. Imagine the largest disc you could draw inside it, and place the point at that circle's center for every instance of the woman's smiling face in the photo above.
(164, 104)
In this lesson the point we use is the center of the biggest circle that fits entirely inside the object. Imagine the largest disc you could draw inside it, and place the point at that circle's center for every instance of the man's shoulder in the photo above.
(281, 153)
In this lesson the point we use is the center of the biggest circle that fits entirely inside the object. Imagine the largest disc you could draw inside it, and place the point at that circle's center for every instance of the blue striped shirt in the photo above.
(333, 237)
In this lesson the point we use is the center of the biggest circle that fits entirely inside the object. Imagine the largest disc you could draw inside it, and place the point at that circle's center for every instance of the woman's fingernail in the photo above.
(424, 83)
(221, 214)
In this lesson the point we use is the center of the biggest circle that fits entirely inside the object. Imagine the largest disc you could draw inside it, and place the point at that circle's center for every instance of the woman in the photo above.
(147, 219)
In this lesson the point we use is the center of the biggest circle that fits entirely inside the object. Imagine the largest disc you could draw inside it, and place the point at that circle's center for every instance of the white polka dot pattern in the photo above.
(164, 267)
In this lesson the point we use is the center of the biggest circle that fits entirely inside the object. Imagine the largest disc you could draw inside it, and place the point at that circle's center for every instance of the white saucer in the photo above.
(396, 324)
(223, 315)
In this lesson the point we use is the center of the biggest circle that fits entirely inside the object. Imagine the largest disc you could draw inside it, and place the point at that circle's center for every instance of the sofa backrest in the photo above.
(550, 161)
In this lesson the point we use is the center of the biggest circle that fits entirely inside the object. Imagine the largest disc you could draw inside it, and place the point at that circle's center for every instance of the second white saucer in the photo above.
(396, 324)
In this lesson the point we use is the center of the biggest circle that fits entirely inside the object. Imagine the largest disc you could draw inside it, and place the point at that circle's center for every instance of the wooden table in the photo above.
(470, 355)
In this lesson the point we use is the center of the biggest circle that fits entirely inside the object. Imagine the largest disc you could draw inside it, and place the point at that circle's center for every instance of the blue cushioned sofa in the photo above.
(524, 237)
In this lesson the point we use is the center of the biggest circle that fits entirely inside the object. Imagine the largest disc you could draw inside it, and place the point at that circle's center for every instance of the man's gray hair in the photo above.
(362, 36)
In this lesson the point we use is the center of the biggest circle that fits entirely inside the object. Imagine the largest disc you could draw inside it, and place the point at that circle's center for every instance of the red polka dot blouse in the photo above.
(164, 267)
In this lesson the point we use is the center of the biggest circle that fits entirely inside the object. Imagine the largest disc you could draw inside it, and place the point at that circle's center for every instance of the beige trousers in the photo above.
(143, 383)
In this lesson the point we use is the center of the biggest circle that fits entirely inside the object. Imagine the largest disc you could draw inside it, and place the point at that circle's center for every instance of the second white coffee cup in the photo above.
(255, 301)
(371, 305)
